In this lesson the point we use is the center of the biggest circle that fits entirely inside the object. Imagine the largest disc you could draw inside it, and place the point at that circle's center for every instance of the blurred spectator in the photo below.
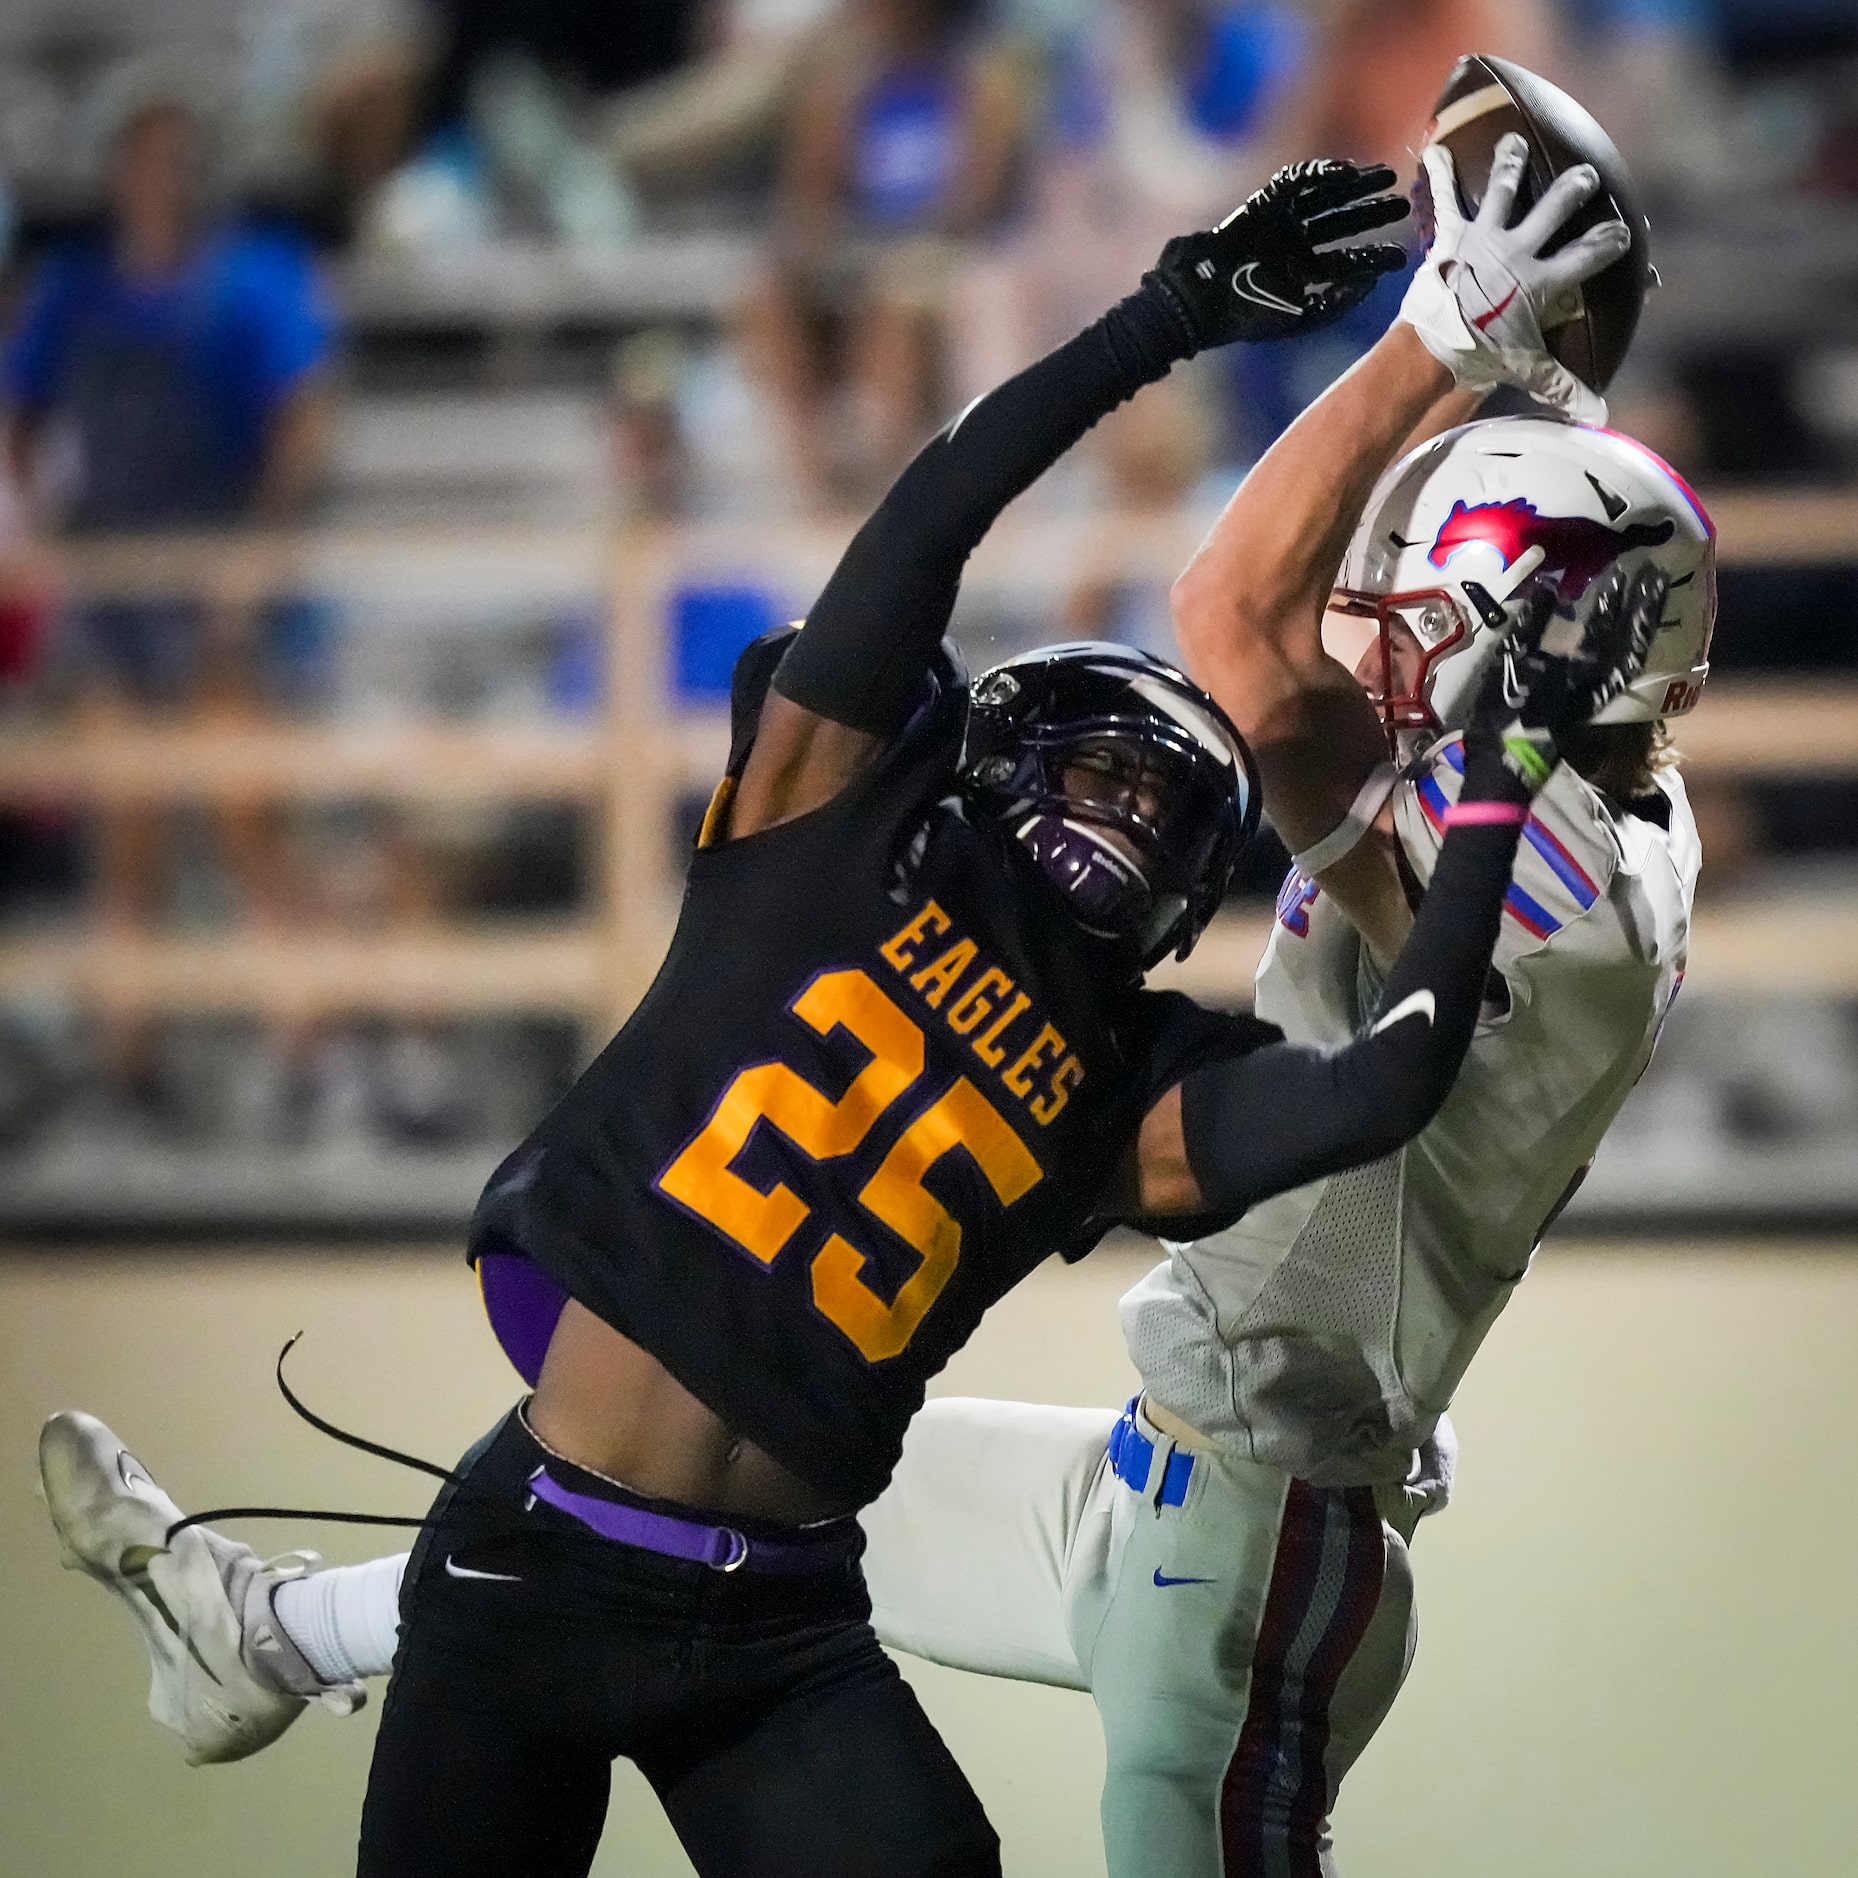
(185, 356)
(1374, 75)
(1383, 63)
(350, 100)
(1166, 101)
(591, 48)
(1650, 71)
(316, 96)
(1155, 119)
(901, 142)
(1166, 113)
(507, 128)
(709, 131)
(185, 362)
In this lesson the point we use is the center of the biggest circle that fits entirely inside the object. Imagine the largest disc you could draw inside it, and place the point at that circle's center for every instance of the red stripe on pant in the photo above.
(1325, 1585)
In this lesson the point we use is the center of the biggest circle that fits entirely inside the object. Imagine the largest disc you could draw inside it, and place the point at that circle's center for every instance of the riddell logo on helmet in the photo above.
(1680, 695)
(1576, 550)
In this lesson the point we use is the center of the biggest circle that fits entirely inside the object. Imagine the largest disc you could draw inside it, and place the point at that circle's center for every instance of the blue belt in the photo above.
(1132, 1455)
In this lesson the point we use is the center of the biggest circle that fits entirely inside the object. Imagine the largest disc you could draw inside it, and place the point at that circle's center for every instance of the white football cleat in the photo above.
(226, 1678)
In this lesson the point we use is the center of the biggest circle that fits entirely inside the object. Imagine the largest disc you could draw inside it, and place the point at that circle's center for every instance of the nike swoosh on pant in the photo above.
(454, 1570)
(1164, 1581)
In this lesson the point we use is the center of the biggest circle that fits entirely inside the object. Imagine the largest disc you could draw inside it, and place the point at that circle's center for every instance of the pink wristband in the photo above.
(1486, 815)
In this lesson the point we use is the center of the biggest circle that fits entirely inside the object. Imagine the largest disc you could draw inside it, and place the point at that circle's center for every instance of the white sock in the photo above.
(346, 1620)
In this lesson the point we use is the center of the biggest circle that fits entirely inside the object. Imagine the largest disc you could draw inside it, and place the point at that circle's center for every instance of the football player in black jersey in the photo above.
(899, 1052)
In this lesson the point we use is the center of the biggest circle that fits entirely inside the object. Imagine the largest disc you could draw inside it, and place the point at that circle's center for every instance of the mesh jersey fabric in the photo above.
(1326, 1331)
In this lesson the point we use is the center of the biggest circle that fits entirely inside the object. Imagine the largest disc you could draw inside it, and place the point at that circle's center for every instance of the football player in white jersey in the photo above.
(1229, 1576)
(1224, 1565)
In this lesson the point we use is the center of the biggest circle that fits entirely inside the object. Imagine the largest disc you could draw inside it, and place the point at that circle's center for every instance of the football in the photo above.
(1485, 99)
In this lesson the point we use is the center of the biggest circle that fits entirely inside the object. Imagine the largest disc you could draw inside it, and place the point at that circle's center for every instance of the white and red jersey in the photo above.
(1327, 1330)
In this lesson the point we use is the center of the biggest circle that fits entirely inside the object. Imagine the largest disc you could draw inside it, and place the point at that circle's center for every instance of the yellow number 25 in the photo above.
(703, 1180)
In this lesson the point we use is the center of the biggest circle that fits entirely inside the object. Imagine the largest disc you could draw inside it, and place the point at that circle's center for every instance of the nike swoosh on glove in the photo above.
(1258, 275)
(1539, 690)
(1486, 292)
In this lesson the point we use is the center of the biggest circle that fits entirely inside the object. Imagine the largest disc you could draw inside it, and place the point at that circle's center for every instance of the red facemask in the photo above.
(1412, 633)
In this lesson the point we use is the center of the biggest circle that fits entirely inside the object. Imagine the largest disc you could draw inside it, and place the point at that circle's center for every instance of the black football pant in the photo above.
(779, 1737)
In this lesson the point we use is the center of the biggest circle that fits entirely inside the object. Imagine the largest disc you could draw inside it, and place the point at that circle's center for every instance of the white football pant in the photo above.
(1241, 1632)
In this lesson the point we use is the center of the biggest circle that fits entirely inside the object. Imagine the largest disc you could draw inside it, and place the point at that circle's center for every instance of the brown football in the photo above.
(1484, 100)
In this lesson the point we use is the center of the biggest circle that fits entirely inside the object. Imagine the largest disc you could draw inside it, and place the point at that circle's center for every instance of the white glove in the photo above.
(1486, 291)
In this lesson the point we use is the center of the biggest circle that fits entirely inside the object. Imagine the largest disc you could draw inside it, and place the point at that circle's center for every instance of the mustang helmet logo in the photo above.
(1575, 549)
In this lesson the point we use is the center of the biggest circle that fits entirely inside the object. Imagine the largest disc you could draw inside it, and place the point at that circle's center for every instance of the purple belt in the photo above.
(721, 1548)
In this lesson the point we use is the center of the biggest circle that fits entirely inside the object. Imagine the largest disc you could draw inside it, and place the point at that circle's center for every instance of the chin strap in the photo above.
(1342, 840)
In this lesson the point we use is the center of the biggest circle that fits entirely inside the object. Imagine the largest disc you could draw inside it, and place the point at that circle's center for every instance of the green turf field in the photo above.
(1639, 1649)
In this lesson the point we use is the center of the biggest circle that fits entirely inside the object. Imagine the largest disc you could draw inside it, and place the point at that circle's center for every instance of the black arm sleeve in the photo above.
(864, 657)
(1260, 1124)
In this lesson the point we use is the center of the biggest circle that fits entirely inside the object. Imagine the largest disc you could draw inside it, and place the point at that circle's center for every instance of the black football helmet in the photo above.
(1126, 783)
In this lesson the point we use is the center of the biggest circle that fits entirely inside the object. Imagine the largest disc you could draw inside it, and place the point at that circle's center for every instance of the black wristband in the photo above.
(1149, 331)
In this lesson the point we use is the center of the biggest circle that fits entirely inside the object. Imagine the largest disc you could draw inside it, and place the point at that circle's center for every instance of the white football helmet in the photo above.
(1492, 506)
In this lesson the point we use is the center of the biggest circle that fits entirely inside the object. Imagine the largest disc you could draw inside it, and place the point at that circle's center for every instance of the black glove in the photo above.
(1258, 275)
(1531, 699)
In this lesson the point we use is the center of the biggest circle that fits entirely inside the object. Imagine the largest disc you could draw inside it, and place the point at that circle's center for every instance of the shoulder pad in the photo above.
(1567, 859)
(748, 689)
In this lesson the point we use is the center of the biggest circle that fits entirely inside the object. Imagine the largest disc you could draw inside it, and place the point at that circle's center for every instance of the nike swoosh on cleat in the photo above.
(454, 1570)
(1164, 1581)
(159, 1605)
(1245, 285)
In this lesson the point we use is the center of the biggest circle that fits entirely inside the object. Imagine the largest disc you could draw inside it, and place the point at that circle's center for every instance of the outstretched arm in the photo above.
(1256, 1125)
(853, 676)
(1248, 609)
(1240, 1129)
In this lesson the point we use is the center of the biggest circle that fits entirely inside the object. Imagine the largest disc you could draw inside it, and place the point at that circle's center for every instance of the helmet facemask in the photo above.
(1396, 648)
(1421, 655)
(1107, 835)
(1125, 785)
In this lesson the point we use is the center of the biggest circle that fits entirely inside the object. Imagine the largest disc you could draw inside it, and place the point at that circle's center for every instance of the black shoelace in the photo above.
(379, 1449)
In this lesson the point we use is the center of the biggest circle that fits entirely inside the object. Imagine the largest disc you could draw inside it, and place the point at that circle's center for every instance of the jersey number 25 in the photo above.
(702, 1179)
